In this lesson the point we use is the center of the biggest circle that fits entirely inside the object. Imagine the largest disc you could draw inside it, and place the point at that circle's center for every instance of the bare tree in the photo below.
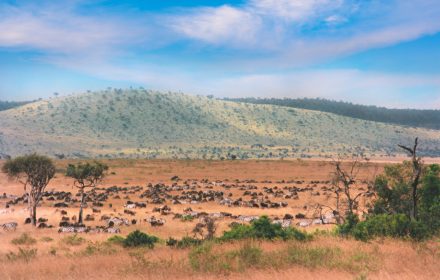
(34, 172)
(417, 172)
(86, 175)
(345, 178)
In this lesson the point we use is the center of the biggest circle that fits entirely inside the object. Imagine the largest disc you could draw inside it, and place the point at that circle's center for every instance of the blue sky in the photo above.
(376, 52)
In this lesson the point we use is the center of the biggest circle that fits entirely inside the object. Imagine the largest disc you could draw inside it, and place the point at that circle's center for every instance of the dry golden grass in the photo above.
(383, 259)
(57, 258)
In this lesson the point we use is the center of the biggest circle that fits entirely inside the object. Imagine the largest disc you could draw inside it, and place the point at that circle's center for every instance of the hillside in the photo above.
(140, 123)
(406, 117)
(6, 105)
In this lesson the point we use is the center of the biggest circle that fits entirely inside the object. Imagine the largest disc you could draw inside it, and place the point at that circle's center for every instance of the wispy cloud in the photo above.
(229, 50)
(375, 88)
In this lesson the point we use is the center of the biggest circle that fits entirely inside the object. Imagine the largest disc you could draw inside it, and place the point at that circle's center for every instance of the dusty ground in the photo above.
(127, 173)
(398, 260)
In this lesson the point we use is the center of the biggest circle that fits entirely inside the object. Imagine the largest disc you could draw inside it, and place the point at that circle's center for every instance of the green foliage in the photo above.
(187, 218)
(185, 242)
(393, 190)
(383, 225)
(429, 212)
(38, 170)
(140, 239)
(24, 239)
(87, 174)
(350, 222)
(390, 214)
(262, 228)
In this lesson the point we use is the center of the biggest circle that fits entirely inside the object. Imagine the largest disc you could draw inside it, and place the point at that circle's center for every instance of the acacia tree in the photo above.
(417, 172)
(86, 175)
(34, 172)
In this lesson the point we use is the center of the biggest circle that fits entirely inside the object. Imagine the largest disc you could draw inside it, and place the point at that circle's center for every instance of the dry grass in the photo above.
(325, 257)
(87, 256)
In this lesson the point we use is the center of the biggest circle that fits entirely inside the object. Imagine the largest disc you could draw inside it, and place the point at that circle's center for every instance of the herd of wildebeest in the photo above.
(134, 200)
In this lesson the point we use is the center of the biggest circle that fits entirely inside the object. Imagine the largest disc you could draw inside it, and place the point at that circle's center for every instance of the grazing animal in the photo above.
(66, 230)
(112, 230)
(12, 226)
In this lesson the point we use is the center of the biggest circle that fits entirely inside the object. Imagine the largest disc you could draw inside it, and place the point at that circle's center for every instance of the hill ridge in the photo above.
(150, 124)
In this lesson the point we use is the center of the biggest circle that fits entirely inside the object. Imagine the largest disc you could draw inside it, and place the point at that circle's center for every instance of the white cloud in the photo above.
(58, 29)
(224, 24)
(293, 10)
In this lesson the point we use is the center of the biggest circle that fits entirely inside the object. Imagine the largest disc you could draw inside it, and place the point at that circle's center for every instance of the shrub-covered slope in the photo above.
(140, 123)
(407, 117)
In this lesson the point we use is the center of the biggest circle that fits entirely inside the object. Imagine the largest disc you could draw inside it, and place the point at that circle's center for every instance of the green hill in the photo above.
(146, 124)
(406, 117)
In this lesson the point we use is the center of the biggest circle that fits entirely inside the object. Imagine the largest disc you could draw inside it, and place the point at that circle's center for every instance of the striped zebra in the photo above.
(12, 226)
(66, 230)
(112, 230)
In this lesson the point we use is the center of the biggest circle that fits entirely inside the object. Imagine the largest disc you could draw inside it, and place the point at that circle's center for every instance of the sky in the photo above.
(375, 52)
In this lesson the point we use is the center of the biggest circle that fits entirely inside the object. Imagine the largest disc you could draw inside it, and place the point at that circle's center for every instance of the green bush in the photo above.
(263, 228)
(185, 242)
(187, 218)
(383, 225)
(138, 238)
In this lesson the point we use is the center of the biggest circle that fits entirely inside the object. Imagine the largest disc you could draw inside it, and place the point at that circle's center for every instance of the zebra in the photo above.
(72, 229)
(112, 230)
(117, 222)
(66, 229)
(10, 226)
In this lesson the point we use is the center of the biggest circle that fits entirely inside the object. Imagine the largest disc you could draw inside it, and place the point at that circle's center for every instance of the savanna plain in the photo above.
(168, 199)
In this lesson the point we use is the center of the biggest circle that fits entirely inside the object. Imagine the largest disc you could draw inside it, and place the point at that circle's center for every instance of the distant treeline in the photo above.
(407, 117)
(5, 105)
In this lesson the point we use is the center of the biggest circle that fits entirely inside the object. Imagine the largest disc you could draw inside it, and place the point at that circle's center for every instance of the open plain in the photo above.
(167, 198)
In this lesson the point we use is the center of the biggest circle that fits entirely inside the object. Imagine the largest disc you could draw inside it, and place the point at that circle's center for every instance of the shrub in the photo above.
(187, 218)
(24, 239)
(23, 254)
(73, 240)
(138, 238)
(397, 225)
(238, 232)
(185, 242)
(347, 227)
(262, 228)
(102, 248)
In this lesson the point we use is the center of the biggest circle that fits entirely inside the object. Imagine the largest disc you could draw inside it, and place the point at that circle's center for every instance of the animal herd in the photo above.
(134, 199)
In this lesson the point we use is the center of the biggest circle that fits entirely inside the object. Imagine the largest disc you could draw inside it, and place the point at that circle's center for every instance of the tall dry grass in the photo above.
(325, 257)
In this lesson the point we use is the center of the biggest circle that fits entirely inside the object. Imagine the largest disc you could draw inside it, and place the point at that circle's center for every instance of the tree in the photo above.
(345, 178)
(34, 172)
(86, 175)
(417, 172)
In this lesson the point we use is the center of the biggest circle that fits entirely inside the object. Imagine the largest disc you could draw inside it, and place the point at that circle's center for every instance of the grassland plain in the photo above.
(45, 254)
(137, 123)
